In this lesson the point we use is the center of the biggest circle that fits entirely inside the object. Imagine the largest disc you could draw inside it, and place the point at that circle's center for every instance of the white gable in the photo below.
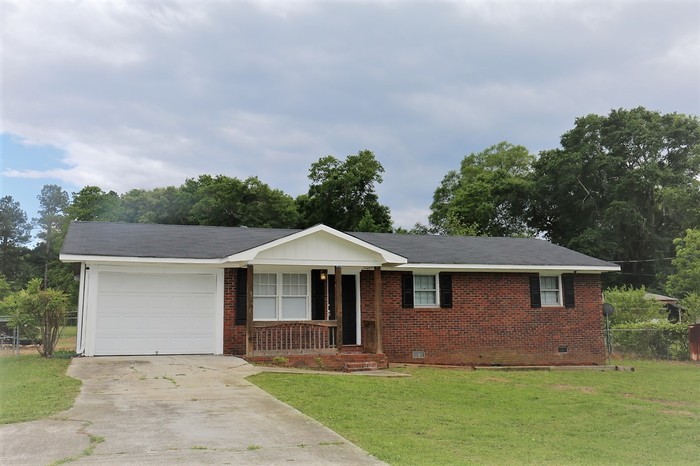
(319, 246)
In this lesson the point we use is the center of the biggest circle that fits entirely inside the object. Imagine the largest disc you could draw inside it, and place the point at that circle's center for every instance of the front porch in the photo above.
(318, 344)
(309, 299)
(313, 345)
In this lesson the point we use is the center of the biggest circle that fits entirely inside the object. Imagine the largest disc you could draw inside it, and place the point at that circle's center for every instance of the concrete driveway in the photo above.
(174, 410)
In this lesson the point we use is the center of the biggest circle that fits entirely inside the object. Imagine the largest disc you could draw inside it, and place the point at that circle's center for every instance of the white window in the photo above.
(265, 296)
(294, 293)
(425, 290)
(286, 302)
(550, 293)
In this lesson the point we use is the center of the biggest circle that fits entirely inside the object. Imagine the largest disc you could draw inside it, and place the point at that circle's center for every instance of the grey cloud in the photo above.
(145, 94)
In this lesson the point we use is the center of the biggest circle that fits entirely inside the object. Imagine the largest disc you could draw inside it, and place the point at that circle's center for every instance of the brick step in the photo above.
(360, 366)
(352, 349)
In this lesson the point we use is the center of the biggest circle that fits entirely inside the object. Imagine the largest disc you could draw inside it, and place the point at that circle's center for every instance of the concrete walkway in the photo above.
(174, 410)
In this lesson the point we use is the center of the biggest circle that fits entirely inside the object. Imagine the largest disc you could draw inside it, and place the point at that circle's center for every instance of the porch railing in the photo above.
(294, 337)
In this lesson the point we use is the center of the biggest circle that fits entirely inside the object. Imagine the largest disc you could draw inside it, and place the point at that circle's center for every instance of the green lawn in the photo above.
(32, 387)
(68, 339)
(448, 416)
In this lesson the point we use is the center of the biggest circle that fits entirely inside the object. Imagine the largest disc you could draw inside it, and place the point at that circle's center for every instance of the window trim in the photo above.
(279, 296)
(436, 278)
(559, 290)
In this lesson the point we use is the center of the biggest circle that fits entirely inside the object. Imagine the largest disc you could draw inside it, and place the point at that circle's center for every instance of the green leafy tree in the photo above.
(40, 313)
(5, 288)
(15, 233)
(632, 305)
(93, 204)
(686, 278)
(621, 188)
(488, 195)
(226, 201)
(690, 308)
(53, 201)
(418, 229)
(342, 194)
(169, 205)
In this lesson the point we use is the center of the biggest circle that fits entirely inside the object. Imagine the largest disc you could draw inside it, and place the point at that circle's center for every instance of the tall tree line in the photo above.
(341, 195)
(621, 187)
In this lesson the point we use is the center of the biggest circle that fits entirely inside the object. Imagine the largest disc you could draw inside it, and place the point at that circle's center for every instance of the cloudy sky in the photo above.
(142, 94)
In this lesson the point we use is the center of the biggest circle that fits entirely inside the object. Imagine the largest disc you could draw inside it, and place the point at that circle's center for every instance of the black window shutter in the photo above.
(567, 281)
(535, 299)
(241, 296)
(318, 296)
(445, 290)
(407, 290)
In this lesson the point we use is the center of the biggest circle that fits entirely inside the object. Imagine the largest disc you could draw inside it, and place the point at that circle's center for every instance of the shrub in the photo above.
(631, 305)
(40, 314)
(691, 307)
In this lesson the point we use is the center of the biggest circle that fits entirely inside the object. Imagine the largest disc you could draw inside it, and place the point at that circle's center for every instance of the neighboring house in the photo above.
(260, 293)
(670, 305)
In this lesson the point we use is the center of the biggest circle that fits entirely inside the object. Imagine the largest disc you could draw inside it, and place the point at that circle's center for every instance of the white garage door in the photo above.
(155, 313)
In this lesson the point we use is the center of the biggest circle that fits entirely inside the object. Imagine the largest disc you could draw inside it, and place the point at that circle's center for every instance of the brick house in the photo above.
(321, 297)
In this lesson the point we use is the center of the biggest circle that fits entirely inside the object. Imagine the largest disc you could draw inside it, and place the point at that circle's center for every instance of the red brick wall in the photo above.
(234, 335)
(491, 322)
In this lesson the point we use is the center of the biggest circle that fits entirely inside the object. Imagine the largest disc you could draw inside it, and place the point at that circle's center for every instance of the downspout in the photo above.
(80, 343)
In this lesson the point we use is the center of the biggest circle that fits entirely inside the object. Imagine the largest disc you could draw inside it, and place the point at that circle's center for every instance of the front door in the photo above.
(349, 307)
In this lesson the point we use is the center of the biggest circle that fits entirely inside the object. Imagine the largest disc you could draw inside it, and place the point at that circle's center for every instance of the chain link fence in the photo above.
(14, 337)
(670, 342)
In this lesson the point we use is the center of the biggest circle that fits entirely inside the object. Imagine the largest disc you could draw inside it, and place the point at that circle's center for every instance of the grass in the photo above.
(88, 451)
(452, 416)
(68, 339)
(32, 387)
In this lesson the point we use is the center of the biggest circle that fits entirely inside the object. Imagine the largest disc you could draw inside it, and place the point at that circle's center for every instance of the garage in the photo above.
(154, 312)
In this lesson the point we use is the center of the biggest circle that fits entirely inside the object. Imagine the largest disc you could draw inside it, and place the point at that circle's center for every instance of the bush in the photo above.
(691, 308)
(631, 305)
(656, 340)
(40, 314)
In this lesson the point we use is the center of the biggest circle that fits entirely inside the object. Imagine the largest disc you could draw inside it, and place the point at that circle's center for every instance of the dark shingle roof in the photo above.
(163, 241)
(205, 242)
(421, 249)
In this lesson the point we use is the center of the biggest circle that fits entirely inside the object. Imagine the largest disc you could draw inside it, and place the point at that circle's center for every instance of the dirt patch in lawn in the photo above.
(677, 412)
(662, 402)
(587, 390)
(496, 379)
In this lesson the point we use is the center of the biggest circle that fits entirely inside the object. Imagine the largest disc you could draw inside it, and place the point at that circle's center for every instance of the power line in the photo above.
(658, 259)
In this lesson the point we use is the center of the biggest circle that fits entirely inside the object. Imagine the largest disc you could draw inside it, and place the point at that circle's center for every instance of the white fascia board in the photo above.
(250, 255)
(314, 263)
(507, 268)
(139, 260)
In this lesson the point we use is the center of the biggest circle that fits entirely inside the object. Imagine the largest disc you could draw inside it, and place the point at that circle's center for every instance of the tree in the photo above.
(631, 305)
(417, 229)
(93, 204)
(169, 205)
(5, 289)
(40, 313)
(686, 278)
(690, 306)
(226, 201)
(487, 196)
(621, 188)
(342, 194)
(15, 232)
(53, 201)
